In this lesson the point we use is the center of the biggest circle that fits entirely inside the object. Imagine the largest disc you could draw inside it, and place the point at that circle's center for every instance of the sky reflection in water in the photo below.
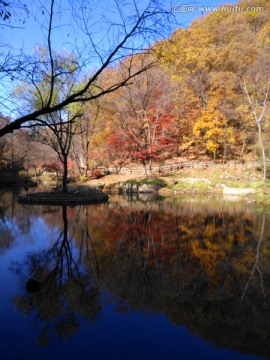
(127, 280)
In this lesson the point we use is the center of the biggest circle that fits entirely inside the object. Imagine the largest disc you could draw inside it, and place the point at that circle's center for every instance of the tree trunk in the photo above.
(65, 222)
(65, 174)
(243, 148)
(87, 159)
(150, 168)
(225, 146)
(262, 150)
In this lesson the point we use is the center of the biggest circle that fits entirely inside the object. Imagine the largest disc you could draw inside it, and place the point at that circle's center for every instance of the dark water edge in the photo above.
(184, 277)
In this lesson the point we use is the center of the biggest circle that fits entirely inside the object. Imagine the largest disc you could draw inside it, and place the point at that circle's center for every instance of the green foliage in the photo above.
(131, 182)
(151, 181)
(83, 178)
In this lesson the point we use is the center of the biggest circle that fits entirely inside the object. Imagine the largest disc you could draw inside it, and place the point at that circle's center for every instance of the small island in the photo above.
(77, 195)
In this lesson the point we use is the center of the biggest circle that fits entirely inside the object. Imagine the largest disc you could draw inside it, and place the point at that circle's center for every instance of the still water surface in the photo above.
(178, 278)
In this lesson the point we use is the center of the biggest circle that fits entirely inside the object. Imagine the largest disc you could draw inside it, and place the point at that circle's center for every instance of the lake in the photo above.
(175, 278)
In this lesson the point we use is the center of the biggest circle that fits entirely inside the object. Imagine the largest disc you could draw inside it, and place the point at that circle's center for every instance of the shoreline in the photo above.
(240, 186)
(235, 185)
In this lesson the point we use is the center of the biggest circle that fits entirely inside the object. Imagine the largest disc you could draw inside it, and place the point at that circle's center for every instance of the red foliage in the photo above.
(133, 143)
(96, 174)
(153, 234)
(53, 167)
(164, 135)
(71, 165)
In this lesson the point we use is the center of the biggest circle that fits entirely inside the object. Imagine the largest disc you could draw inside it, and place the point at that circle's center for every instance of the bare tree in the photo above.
(12, 13)
(256, 267)
(58, 134)
(87, 127)
(131, 30)
(257, 93)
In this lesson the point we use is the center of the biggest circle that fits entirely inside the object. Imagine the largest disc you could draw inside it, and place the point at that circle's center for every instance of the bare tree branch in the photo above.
(133, 32)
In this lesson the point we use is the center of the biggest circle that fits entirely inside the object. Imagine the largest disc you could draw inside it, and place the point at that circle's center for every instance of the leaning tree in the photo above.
(96, 37)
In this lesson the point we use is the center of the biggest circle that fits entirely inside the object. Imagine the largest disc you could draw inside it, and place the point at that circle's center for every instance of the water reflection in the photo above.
(203, 264)
(208, 270)
(58, 291)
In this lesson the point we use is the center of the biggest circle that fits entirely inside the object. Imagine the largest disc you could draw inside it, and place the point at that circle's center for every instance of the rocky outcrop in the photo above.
(148, 188)
(130, 188)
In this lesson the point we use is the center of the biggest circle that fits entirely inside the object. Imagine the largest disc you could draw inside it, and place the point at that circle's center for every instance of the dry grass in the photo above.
(217, 174)
(112, 179)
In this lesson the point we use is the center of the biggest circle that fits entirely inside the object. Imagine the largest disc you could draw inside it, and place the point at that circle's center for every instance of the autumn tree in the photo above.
(14, 150)
(206, 61)
(146, 116)
(3, 142)
(212, 128)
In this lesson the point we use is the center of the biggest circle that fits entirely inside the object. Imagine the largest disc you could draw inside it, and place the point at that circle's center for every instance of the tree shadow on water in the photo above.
(57, 292)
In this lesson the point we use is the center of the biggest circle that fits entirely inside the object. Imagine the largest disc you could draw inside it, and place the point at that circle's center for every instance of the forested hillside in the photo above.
(194, 102)
(201, 99)
(221, 67)
(207, 96)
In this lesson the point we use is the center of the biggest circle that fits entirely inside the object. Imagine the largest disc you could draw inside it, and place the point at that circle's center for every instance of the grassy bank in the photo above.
(198, 181)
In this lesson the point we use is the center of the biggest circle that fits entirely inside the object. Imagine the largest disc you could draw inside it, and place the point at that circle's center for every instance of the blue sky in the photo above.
(67, 36)
(34, 30)
(187, 11)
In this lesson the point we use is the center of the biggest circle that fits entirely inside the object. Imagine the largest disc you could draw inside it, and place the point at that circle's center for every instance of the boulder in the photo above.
(129, 188)
(148, 188)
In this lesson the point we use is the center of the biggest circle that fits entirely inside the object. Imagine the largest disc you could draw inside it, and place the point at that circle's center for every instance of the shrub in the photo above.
(153, 181)
(96, 174)
(83, 178)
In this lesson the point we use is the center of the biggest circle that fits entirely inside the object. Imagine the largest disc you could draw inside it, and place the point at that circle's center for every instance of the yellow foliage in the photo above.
(210, 255)
(212, 146)
(264, 36)
(212, 128)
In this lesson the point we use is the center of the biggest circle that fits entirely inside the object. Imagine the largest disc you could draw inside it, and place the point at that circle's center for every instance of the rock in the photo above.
(101, 186)
(220, 185)
(148, 188)
(129, 188)
(32, 286)
(237, 191)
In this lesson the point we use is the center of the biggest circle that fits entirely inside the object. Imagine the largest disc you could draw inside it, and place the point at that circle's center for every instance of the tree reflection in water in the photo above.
(66, 295)
(252, 282)
(203, 267)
